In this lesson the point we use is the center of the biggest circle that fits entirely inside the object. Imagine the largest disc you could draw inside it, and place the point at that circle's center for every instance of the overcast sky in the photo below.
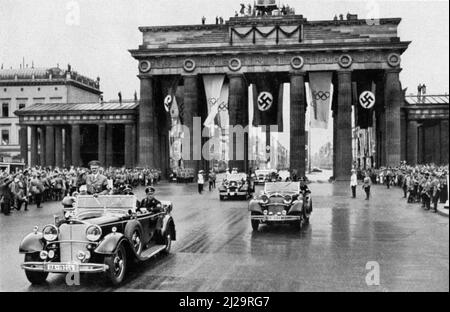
(96, 42)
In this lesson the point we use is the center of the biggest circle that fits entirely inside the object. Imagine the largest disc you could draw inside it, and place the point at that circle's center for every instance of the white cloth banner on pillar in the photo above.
(174, 111)
(213, 86)
(319, 98)
(223, 106)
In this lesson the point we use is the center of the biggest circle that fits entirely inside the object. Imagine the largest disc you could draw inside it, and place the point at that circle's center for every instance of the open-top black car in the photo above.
(101, 235)
(281, 202)
(236, 185)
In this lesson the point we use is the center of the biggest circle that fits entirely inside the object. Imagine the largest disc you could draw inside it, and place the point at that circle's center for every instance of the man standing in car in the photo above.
(96, 183)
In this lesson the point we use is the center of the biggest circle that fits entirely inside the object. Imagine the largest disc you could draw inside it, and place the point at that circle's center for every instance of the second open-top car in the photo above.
(280, 202)
(235, 185)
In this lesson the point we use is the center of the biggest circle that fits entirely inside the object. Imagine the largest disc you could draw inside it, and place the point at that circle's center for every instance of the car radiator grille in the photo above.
(70, 234)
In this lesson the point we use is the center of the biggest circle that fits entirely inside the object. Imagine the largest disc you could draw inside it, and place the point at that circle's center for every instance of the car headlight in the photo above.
(50, 232)
(93, 233)
(287, 199)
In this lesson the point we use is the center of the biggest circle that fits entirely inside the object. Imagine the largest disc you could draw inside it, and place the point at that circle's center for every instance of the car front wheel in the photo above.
(34, 277)
(117, 264)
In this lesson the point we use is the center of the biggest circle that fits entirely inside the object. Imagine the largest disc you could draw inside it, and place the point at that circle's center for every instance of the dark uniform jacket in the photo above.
(96, 184)
(150, 204)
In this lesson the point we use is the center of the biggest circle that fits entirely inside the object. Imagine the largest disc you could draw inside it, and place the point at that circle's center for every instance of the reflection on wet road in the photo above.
(216, 249)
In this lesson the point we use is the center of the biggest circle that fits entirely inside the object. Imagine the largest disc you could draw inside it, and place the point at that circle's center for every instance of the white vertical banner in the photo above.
(223, 106)
(213, 86)
(319, 98)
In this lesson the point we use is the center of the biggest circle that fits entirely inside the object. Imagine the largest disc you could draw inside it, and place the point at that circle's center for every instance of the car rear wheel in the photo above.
(33, 277)
(221, 197)
(117, 264)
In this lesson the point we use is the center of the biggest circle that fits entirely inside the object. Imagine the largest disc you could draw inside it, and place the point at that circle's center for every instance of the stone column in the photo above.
(297, 153)
(76, 156)
(109, 146)
(50, 146)
(238, 109)
(393, 100)
(146, 115)
(129, 146)
(67, 147)
(102, 144)
(42, 146)
(23, 142)
(343, 126)
(403, 134)
(411, 143)
(444, 141)
(34, 146)
(58, 147)
(191, 110)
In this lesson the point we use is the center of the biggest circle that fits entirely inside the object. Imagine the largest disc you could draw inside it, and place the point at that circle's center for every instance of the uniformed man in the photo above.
(96, 183)
(150, 202)
(304, 187)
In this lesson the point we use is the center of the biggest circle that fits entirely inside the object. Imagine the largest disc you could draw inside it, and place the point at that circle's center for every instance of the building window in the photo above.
(21, 89)
(21, 105)
(5, 110)
(4, 90)
(5, 137)
(56, 88)
(39, 89)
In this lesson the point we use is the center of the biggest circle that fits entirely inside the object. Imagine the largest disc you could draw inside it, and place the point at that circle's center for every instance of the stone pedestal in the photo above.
(343, 130)
(146, 120)
(297, 124)
(393, 99)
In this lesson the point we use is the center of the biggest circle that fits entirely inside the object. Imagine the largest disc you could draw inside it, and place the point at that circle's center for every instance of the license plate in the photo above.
(274, 218)
(231, 193)
(62, 267)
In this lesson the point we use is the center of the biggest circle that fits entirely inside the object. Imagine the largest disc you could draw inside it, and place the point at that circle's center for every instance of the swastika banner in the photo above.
(363, 102)
(319, 97)
(268, 102)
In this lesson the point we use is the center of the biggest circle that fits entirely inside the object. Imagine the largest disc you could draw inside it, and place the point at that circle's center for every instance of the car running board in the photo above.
(148, 253)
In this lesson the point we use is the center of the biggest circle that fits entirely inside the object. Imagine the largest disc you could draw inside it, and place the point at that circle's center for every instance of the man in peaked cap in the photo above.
(96, 183)
(150, 202)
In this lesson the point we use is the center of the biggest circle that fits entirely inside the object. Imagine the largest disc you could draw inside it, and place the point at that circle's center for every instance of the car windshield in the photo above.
(236, 176)
(282, 187)
(106, 202)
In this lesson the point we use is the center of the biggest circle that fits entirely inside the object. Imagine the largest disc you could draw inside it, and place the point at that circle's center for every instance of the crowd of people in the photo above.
(425, 184)
(36, 185)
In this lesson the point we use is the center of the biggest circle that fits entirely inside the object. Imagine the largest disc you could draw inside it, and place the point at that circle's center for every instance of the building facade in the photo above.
(24, 87)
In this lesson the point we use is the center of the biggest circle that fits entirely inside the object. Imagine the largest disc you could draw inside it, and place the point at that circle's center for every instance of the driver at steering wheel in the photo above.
(150, 202)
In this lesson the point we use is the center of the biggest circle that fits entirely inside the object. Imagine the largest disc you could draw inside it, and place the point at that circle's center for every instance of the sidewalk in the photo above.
(442, 211)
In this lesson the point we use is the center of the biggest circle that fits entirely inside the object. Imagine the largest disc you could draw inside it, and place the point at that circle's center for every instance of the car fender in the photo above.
(168, 223)
(109, 243)
(297, 206)
(33, 242)
(254, 205)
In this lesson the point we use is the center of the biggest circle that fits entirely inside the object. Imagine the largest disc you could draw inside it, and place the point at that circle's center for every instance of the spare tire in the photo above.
(133, 232)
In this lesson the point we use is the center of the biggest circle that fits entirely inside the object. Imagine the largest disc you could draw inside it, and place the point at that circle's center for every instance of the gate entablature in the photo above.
(275, 43)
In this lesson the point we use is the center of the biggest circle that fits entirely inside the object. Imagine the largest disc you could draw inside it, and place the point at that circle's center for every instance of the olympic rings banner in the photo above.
(319, 98)
(213, 89)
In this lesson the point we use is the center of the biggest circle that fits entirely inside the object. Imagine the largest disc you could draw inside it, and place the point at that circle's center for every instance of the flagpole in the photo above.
(309, 146)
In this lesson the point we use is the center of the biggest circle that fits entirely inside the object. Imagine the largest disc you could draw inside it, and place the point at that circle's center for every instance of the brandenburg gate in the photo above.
(286, 48)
